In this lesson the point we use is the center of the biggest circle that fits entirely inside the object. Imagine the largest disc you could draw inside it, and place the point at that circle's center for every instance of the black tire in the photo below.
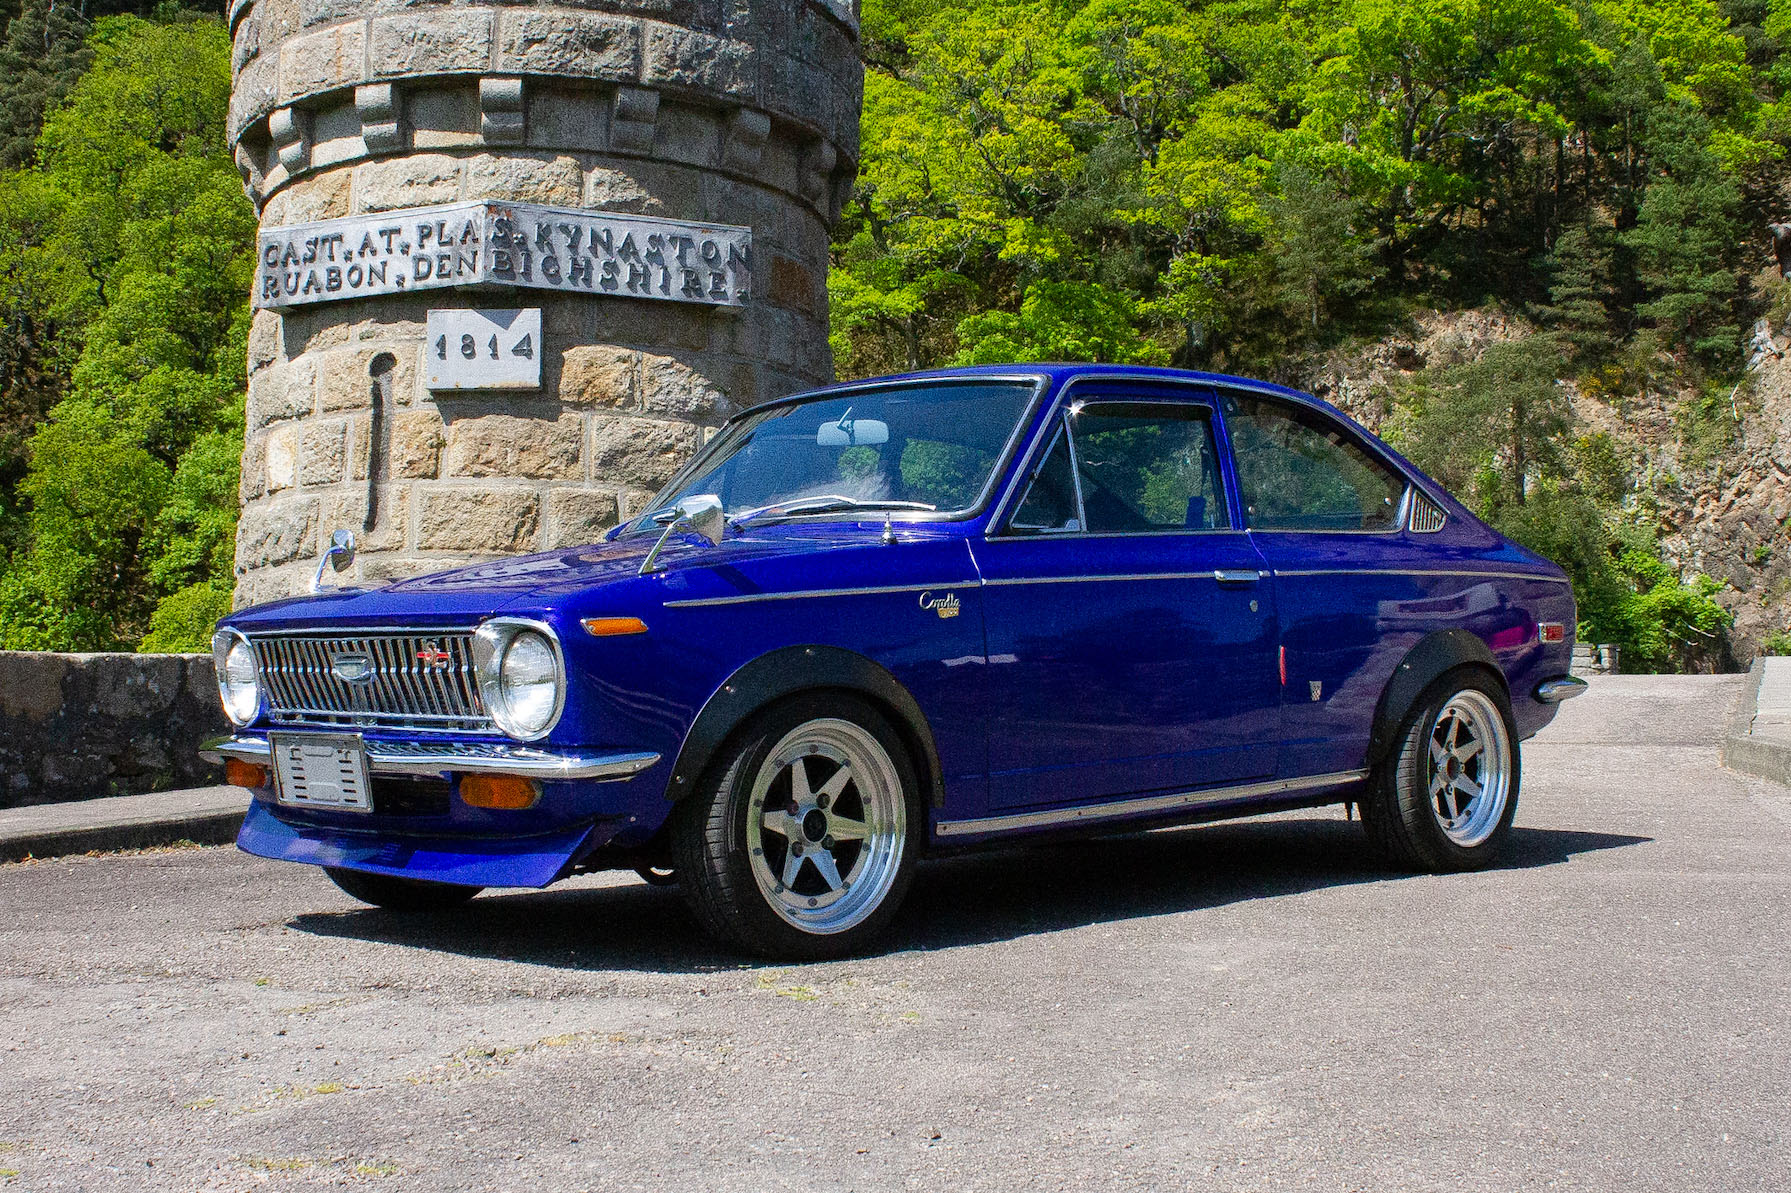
(400, 894)
(1403, 813)
(715, 864)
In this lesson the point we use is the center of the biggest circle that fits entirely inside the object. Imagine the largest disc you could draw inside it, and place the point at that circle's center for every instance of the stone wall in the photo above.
(741, 112)
(81, 726)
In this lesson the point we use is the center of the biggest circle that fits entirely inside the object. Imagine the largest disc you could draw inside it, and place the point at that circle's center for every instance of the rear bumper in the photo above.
(531, 861)
(1564, 687)
(466, 758)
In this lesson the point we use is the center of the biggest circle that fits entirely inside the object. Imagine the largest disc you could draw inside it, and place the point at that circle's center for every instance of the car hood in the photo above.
(535, 581)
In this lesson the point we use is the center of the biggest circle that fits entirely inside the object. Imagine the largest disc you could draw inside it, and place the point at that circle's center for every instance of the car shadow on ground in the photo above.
(968, 899)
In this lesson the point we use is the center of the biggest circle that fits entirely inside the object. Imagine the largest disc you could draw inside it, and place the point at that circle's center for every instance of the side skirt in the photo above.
(1153, 806)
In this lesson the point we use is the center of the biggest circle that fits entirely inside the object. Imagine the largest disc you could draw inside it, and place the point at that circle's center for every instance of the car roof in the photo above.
(1056, 374)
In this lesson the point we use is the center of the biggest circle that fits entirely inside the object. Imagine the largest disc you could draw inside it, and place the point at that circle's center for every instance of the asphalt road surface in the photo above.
(1254, 1005)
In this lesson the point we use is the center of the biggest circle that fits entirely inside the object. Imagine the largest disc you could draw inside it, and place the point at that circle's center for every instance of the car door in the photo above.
(1131, 639)
(1326, 511)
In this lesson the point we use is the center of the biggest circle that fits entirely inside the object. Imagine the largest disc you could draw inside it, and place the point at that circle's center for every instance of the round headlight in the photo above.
(529, 677)
(521, 678)
(239, 687)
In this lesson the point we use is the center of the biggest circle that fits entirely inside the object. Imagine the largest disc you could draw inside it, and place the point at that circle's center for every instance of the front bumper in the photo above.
(532, 861)
(465, 758)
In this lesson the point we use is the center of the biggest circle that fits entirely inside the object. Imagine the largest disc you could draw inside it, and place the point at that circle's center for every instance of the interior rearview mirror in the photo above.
(857, 432)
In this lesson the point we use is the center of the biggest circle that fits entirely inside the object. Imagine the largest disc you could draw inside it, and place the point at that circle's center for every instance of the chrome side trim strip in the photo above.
(1566, 687)
(481, 758)
(743, 598)
(1086, 813)
(1474, 575)
(1209, 574)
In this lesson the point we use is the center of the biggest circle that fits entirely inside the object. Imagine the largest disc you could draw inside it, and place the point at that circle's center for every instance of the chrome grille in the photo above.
(1426, 518)
(408, 684)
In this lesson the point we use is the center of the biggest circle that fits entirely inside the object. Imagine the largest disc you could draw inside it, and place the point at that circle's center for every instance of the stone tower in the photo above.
(517, 259)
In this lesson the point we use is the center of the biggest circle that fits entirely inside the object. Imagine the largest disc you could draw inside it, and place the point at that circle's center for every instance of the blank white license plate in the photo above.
(321, 770)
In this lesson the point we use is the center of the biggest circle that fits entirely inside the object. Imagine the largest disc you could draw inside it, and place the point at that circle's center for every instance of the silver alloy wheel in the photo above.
(826, 826)
(1469, 773)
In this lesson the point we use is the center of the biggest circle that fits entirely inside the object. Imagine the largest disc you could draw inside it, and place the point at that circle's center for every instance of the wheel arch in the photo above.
(790, 671)
(1433, 657)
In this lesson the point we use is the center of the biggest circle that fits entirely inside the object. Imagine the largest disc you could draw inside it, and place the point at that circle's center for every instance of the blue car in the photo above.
(883, 620)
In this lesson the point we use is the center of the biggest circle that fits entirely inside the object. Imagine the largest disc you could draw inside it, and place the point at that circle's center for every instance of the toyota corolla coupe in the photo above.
(882, 620)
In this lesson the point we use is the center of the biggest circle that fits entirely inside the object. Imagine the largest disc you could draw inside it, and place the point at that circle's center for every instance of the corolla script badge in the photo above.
(352, 668)
(944, 606)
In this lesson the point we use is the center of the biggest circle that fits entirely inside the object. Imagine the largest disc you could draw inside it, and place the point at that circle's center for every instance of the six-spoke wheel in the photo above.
(1445, 795)
(801, 843)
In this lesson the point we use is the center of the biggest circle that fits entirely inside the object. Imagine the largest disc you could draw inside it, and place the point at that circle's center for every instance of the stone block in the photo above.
(252, 481)
(578, 516)
(264, 340)
(322, 61)
(416, 445)
(323, 453)
(501, 111)
(495, 520)
(415, 181)
(323, 196)
(640, 453)
(525, 179)
(557, 42)
(276, 532)
(347, 382)
(634, 112)
(697, 61)
(290, 129)
(670, 387)
(600, 376)
(613, 190)
(256, 91)
(443, 117)
(389, 529)
(31, 683)
(360, 446)
(124, 686)
(789, 283)
(378, 107)
(415, 43)
(688, 134)
(245, 44)
(282, 391)
(282, 459)
(562, 119)
(504, 445)
(745, 140)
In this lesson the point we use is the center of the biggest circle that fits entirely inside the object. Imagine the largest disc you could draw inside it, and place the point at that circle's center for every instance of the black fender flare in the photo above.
(785, 672)
(1434, 655)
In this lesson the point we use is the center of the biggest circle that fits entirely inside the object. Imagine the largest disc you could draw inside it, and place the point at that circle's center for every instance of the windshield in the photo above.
(909, 447)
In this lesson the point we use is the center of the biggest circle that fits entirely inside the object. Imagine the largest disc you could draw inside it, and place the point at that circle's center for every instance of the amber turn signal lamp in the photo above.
(238, 773)
(613, 627)
(505, 792)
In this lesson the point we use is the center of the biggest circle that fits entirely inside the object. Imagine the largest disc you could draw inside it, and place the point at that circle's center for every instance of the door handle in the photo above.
(1236, 575)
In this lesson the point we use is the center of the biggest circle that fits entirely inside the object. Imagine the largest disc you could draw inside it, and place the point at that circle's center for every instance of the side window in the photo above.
(1050, 501)
(1147, 466)
(1298, 471)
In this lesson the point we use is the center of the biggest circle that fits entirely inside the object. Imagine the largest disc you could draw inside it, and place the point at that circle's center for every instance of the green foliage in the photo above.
(128, 260)
(1490, 428)
(184, 620)
(1210, 182)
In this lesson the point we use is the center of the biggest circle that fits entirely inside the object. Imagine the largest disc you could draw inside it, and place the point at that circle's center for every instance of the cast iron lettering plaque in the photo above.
(503, 244)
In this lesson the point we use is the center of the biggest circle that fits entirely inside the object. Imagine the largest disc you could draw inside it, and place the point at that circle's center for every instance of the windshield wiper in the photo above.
(819, 504)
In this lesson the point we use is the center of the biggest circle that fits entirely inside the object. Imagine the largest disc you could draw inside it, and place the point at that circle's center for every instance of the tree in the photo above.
(140, 252)
(1318, 255)
(1491, 428)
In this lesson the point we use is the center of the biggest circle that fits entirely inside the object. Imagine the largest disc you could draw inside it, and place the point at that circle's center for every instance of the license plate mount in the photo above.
(321, 770)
